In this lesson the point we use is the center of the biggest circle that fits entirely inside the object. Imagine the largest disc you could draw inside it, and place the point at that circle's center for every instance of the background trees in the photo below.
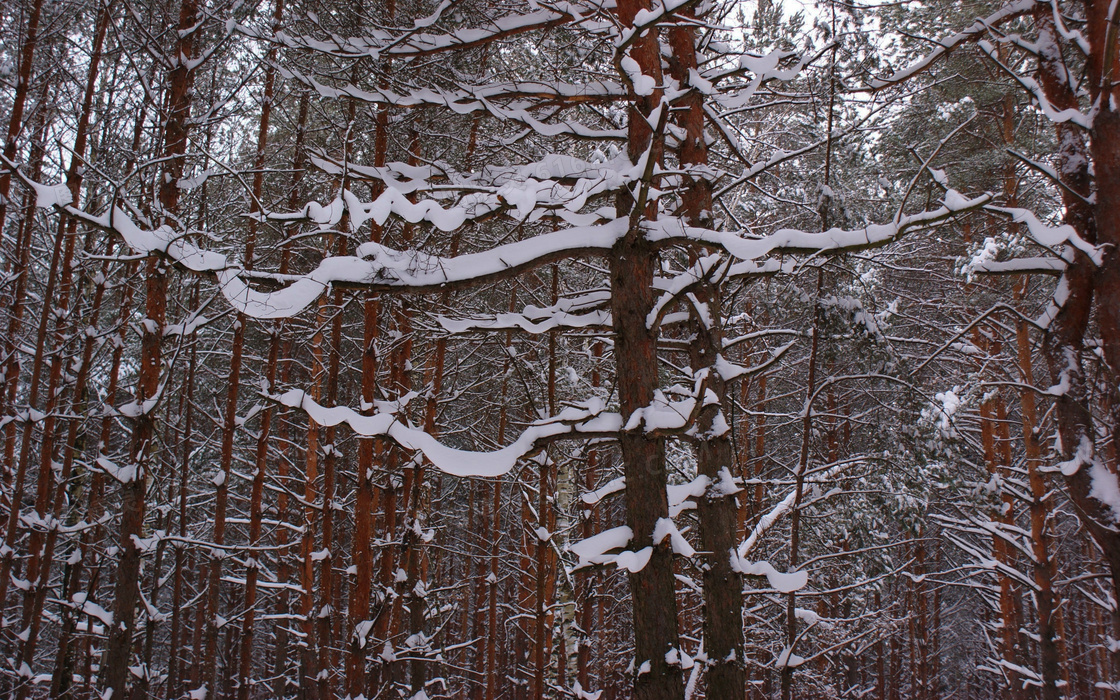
(558, 349)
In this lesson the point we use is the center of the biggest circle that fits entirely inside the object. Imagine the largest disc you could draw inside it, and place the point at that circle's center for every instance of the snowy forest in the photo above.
(589, 349)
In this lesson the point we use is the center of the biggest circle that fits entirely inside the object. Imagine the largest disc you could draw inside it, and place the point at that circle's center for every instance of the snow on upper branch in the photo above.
(589, 420)
(465, 102)
(406, 42)
(797, 241)
(977, 29)
(376, 266)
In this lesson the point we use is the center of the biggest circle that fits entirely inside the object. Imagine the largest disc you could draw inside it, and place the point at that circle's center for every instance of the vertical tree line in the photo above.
(597, 349)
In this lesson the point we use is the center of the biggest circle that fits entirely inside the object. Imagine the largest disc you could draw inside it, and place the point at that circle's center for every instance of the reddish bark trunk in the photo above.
(55, 297)
(284, 569)
(261, 462)
(62, 676)
(21, 269)
(799, 489)
(1049, 659)
(1095, 221)
(115, 663)
(186, 412)
(588, 579)
(327, 612)
(633, 262)
(717, 510)
(38, 592)
(19, 101)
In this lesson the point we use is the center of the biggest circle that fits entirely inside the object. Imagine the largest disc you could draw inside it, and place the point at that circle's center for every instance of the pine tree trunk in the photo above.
(37, 594)
(68, 651)
(717, 510)
(186, 412)
(1008, 624)
(19, 102)
(492, 669)
(283, 553)
(633, 262)
(1049, 661)
(114, 665)
(327, 613)
(256, 498)
(68, 320)
(58, 284)
(21, 269)
(588, 579)
(309, 665)
(799, 490)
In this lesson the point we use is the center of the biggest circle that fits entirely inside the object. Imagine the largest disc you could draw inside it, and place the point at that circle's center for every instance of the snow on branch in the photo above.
(595, 550)
(375, 266)
(779, 581)
(771, 66)
(796, 241)
(590, 420)
(581, 311)
(465, 102)
(1050, 236)
(466, 98)
(411, 42)
(706, 267)
(1058, 116)
(380, 268)
(945, 46)
(728, 370)
(1038, 265)
(645, 20)
(525, 193)
(738, 558)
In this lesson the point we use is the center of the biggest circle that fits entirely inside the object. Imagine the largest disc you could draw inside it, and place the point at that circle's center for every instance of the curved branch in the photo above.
(590, 422)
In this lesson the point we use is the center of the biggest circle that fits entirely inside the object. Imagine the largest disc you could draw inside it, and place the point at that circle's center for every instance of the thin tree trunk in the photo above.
(1049, 658)
(65, 659)
(588, 578)
(921, 622)
(366, 495)
(19, 102)
(309, 666)
(58, 285)
(1002, 514)
(114, 666)
(361, 590)
(186, 413)
(37, 593)
(327, 614)
(496, 526)
(62, 676)
(18, 303)
(799, 490)
(256, 497)
(542, 530)
(283, 574)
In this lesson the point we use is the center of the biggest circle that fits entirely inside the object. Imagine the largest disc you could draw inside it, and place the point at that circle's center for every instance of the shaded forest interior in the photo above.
(591, 349)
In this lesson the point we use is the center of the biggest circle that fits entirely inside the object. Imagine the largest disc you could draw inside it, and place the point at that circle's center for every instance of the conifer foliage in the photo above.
(595, 349)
